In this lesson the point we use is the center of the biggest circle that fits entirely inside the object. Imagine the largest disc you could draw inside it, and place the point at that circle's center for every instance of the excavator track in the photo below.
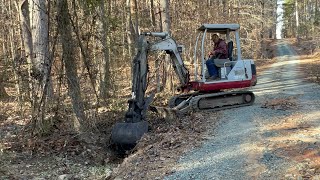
(212, 102)
(221, 101)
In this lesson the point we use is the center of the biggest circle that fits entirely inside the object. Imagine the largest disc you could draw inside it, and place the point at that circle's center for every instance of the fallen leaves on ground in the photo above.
(280, 103)
(158, 151)
(309, 59)
(61, 153)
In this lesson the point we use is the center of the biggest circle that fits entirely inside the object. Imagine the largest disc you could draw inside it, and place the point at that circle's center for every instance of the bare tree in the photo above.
(3, 93)
(166, 24)
(297, 19)
(68, 56)
(129, 28)
(39, 28)
(105, 80)
(27, 42)
(35, 35)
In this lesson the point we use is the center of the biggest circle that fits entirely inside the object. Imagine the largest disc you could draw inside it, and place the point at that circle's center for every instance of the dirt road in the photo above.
(276, 138)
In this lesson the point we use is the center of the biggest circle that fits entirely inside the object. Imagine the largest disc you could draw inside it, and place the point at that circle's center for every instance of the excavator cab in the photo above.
(234, 72)
(221, 64)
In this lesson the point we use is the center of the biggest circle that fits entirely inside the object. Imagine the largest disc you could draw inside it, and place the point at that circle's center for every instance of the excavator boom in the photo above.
(127, 133)
(169, 45)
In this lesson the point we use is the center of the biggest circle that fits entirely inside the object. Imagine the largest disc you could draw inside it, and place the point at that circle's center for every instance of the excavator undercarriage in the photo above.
(211, 101)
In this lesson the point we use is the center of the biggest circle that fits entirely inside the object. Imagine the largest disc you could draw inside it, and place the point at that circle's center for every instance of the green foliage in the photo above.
(288, 18)
(309, 17)
(288, 8)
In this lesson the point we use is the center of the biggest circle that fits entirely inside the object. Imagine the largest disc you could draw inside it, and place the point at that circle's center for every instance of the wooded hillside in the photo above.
(75, 56)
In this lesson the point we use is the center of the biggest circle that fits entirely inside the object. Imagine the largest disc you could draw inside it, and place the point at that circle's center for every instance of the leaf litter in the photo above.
(159, 150)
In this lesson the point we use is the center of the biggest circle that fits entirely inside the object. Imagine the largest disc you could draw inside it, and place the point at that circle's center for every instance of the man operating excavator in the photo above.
(197, 94)
(219, 52)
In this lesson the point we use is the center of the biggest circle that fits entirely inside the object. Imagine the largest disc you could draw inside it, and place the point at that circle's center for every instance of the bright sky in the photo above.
(279, 19)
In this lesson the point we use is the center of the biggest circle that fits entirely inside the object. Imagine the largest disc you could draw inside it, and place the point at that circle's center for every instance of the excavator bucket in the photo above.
(125, 135)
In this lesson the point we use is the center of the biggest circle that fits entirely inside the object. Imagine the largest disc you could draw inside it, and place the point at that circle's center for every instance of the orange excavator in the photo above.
(198, 94)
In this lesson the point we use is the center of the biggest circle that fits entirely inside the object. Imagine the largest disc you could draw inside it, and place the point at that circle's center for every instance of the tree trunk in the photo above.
(39, 28)
(134, 10)
(14, 56)
(105, 80)
(316, 19)
(68, 56)
(41, 65)
(165, 16)
(83, 53)
(152, 15)
(130, 34)
(297, 19)
(238, 12)
(27, 41)
(154, 26)
(130, 29)
(3, 93)
(225, 9)
(166, 23)
(262, 17)
(25, 26)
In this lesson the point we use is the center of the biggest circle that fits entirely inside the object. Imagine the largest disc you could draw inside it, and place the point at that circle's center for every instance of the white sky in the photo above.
(279, 19)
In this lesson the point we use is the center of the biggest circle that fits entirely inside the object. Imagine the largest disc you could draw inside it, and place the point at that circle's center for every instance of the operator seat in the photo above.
(230, 50)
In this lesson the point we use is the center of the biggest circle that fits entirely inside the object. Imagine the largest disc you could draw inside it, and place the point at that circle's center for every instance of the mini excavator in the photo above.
(199, 94)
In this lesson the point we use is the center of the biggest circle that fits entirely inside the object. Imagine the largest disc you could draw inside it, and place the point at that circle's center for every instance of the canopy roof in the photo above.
(219, 28)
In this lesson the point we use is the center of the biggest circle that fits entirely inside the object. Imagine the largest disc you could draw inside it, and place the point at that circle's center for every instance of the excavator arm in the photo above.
(169, 45)
(126, 134)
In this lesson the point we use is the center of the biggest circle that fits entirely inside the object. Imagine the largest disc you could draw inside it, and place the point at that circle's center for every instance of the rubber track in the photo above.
(194, 103)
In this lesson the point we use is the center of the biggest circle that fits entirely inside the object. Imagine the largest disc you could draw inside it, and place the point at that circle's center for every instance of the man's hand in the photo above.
(212, 53)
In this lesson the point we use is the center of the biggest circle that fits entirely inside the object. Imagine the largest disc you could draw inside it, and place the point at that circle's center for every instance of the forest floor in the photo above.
(70, 156)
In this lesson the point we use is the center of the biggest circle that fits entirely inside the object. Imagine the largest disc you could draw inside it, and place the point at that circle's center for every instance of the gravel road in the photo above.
(240, 147)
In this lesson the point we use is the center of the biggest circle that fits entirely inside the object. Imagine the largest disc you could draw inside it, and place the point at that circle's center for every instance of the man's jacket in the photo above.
(221, 49)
